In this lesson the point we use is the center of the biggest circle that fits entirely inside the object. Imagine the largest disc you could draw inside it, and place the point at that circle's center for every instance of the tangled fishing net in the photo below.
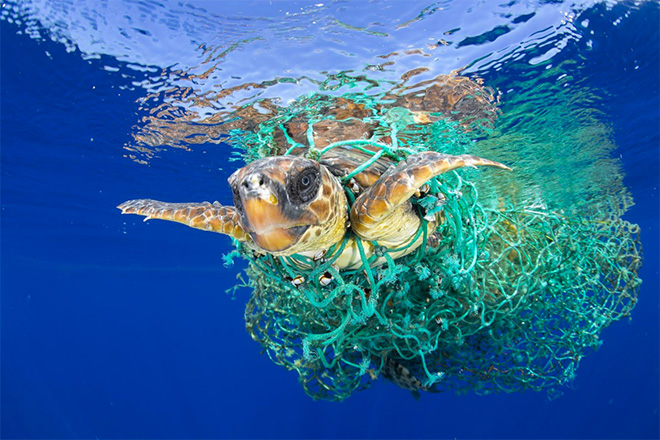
(505, 296)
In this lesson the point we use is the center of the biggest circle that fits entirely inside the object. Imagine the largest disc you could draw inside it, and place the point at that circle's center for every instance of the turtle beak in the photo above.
(264, 214)
(260, 204)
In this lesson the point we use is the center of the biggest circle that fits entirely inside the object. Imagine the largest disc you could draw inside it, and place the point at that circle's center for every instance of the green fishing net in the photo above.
(506, 295)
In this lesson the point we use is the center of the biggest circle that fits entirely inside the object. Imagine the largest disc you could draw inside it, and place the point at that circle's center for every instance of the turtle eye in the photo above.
(304, 186)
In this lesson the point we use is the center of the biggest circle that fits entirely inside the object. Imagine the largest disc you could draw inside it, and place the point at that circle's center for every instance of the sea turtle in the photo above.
(314, 196)
(289, 203)
(285, 205)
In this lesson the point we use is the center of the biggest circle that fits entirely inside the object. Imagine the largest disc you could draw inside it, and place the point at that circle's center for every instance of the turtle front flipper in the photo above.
(382, 213)
(207, 216)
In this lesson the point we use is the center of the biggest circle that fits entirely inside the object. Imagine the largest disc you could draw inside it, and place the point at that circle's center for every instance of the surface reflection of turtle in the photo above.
(290, 204)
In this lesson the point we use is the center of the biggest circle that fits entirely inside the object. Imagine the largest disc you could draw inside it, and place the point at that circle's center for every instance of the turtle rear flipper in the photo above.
(207, 216)
(381, 212)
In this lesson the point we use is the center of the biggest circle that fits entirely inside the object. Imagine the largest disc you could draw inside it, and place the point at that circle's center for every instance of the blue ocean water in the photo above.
(121, 329)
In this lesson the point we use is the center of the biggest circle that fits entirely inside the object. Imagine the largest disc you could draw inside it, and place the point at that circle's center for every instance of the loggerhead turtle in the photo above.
(285, 205)
(290, 204)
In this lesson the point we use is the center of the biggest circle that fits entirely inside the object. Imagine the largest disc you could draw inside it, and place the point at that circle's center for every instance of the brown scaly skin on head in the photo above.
(289, 204)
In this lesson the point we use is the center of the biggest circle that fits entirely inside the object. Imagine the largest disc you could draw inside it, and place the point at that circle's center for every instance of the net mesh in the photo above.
(504, 296)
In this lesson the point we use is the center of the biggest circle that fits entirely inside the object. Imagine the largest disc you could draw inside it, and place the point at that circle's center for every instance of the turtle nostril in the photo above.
(254, 182)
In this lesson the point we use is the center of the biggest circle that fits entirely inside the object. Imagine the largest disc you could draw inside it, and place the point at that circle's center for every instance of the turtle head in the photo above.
(289, 204)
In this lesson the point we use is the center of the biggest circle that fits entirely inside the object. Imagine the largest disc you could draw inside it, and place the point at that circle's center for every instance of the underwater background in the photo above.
(114, 328)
